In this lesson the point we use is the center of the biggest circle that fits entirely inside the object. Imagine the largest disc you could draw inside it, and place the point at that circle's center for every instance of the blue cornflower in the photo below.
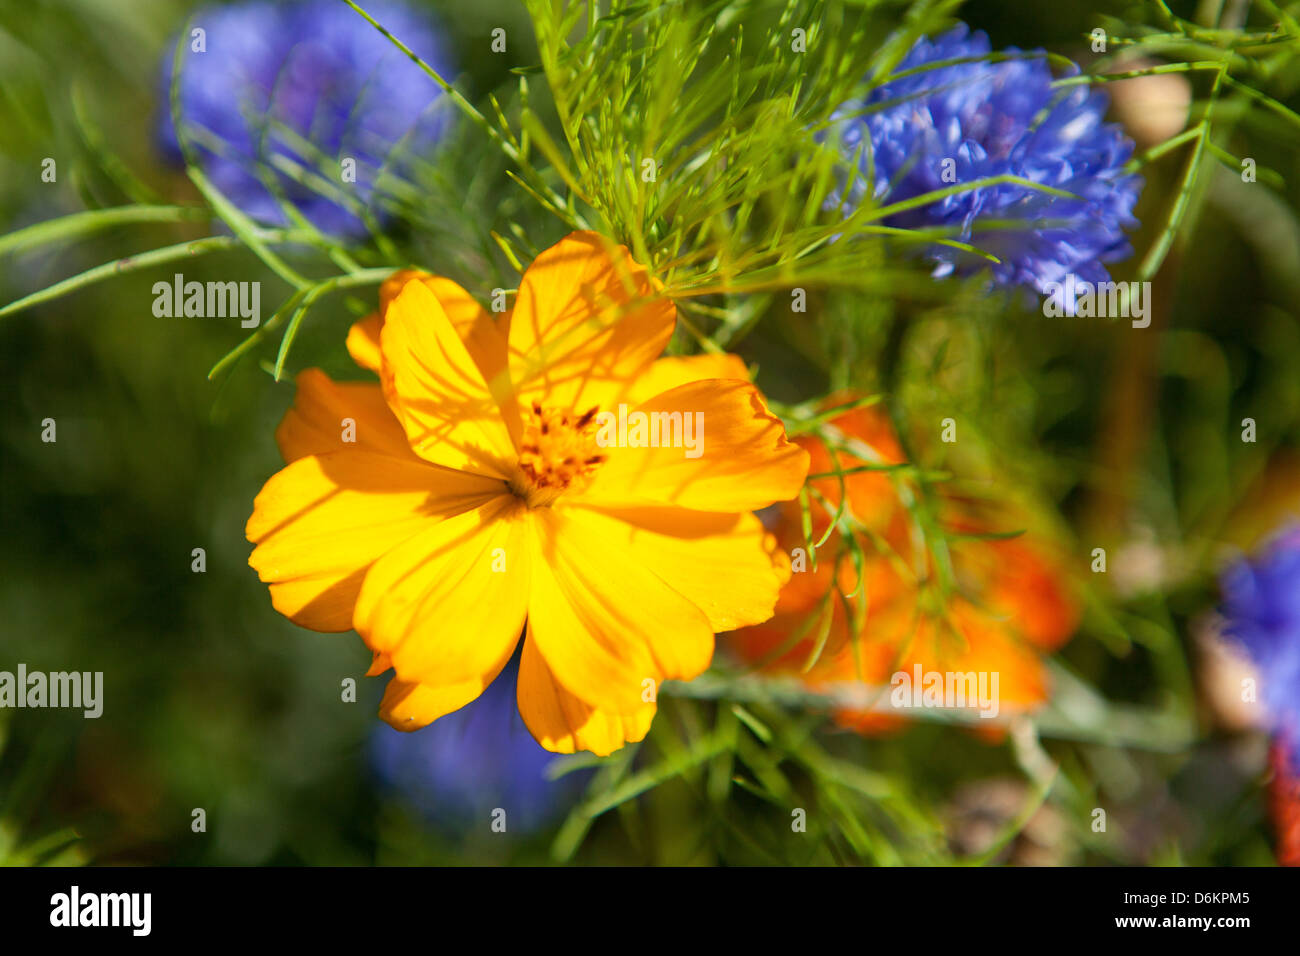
(462, 767)
(1262, 607)
(274, 75)
(956, 124)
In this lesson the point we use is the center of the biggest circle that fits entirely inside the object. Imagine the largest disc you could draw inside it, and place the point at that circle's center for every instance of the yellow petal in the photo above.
(409, 706)
(447, 606)
(484, 336)
(363, 342)
(666, 373)
(742, 462)
(321, 521)
(587, 323)
(330, 416)
(564, 724)
(437, 390)
(608, 628)
(363, 338)
(721, 563)
(378, 664)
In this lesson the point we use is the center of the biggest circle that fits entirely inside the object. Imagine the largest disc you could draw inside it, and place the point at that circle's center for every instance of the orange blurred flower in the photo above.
(1284, 797)
(887, 602)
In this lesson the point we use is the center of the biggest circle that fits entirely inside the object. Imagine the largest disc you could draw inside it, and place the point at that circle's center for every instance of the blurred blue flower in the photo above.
(956, 124)
(465, 765)
(273, 75)
(1262, 607)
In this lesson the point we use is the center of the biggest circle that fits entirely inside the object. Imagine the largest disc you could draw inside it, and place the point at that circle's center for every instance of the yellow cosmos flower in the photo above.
(482, 491)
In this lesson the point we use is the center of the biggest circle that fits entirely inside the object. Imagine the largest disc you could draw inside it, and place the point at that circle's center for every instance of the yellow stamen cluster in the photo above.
(558, 448)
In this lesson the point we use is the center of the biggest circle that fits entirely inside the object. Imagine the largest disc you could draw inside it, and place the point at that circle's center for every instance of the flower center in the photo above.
(557, 452)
